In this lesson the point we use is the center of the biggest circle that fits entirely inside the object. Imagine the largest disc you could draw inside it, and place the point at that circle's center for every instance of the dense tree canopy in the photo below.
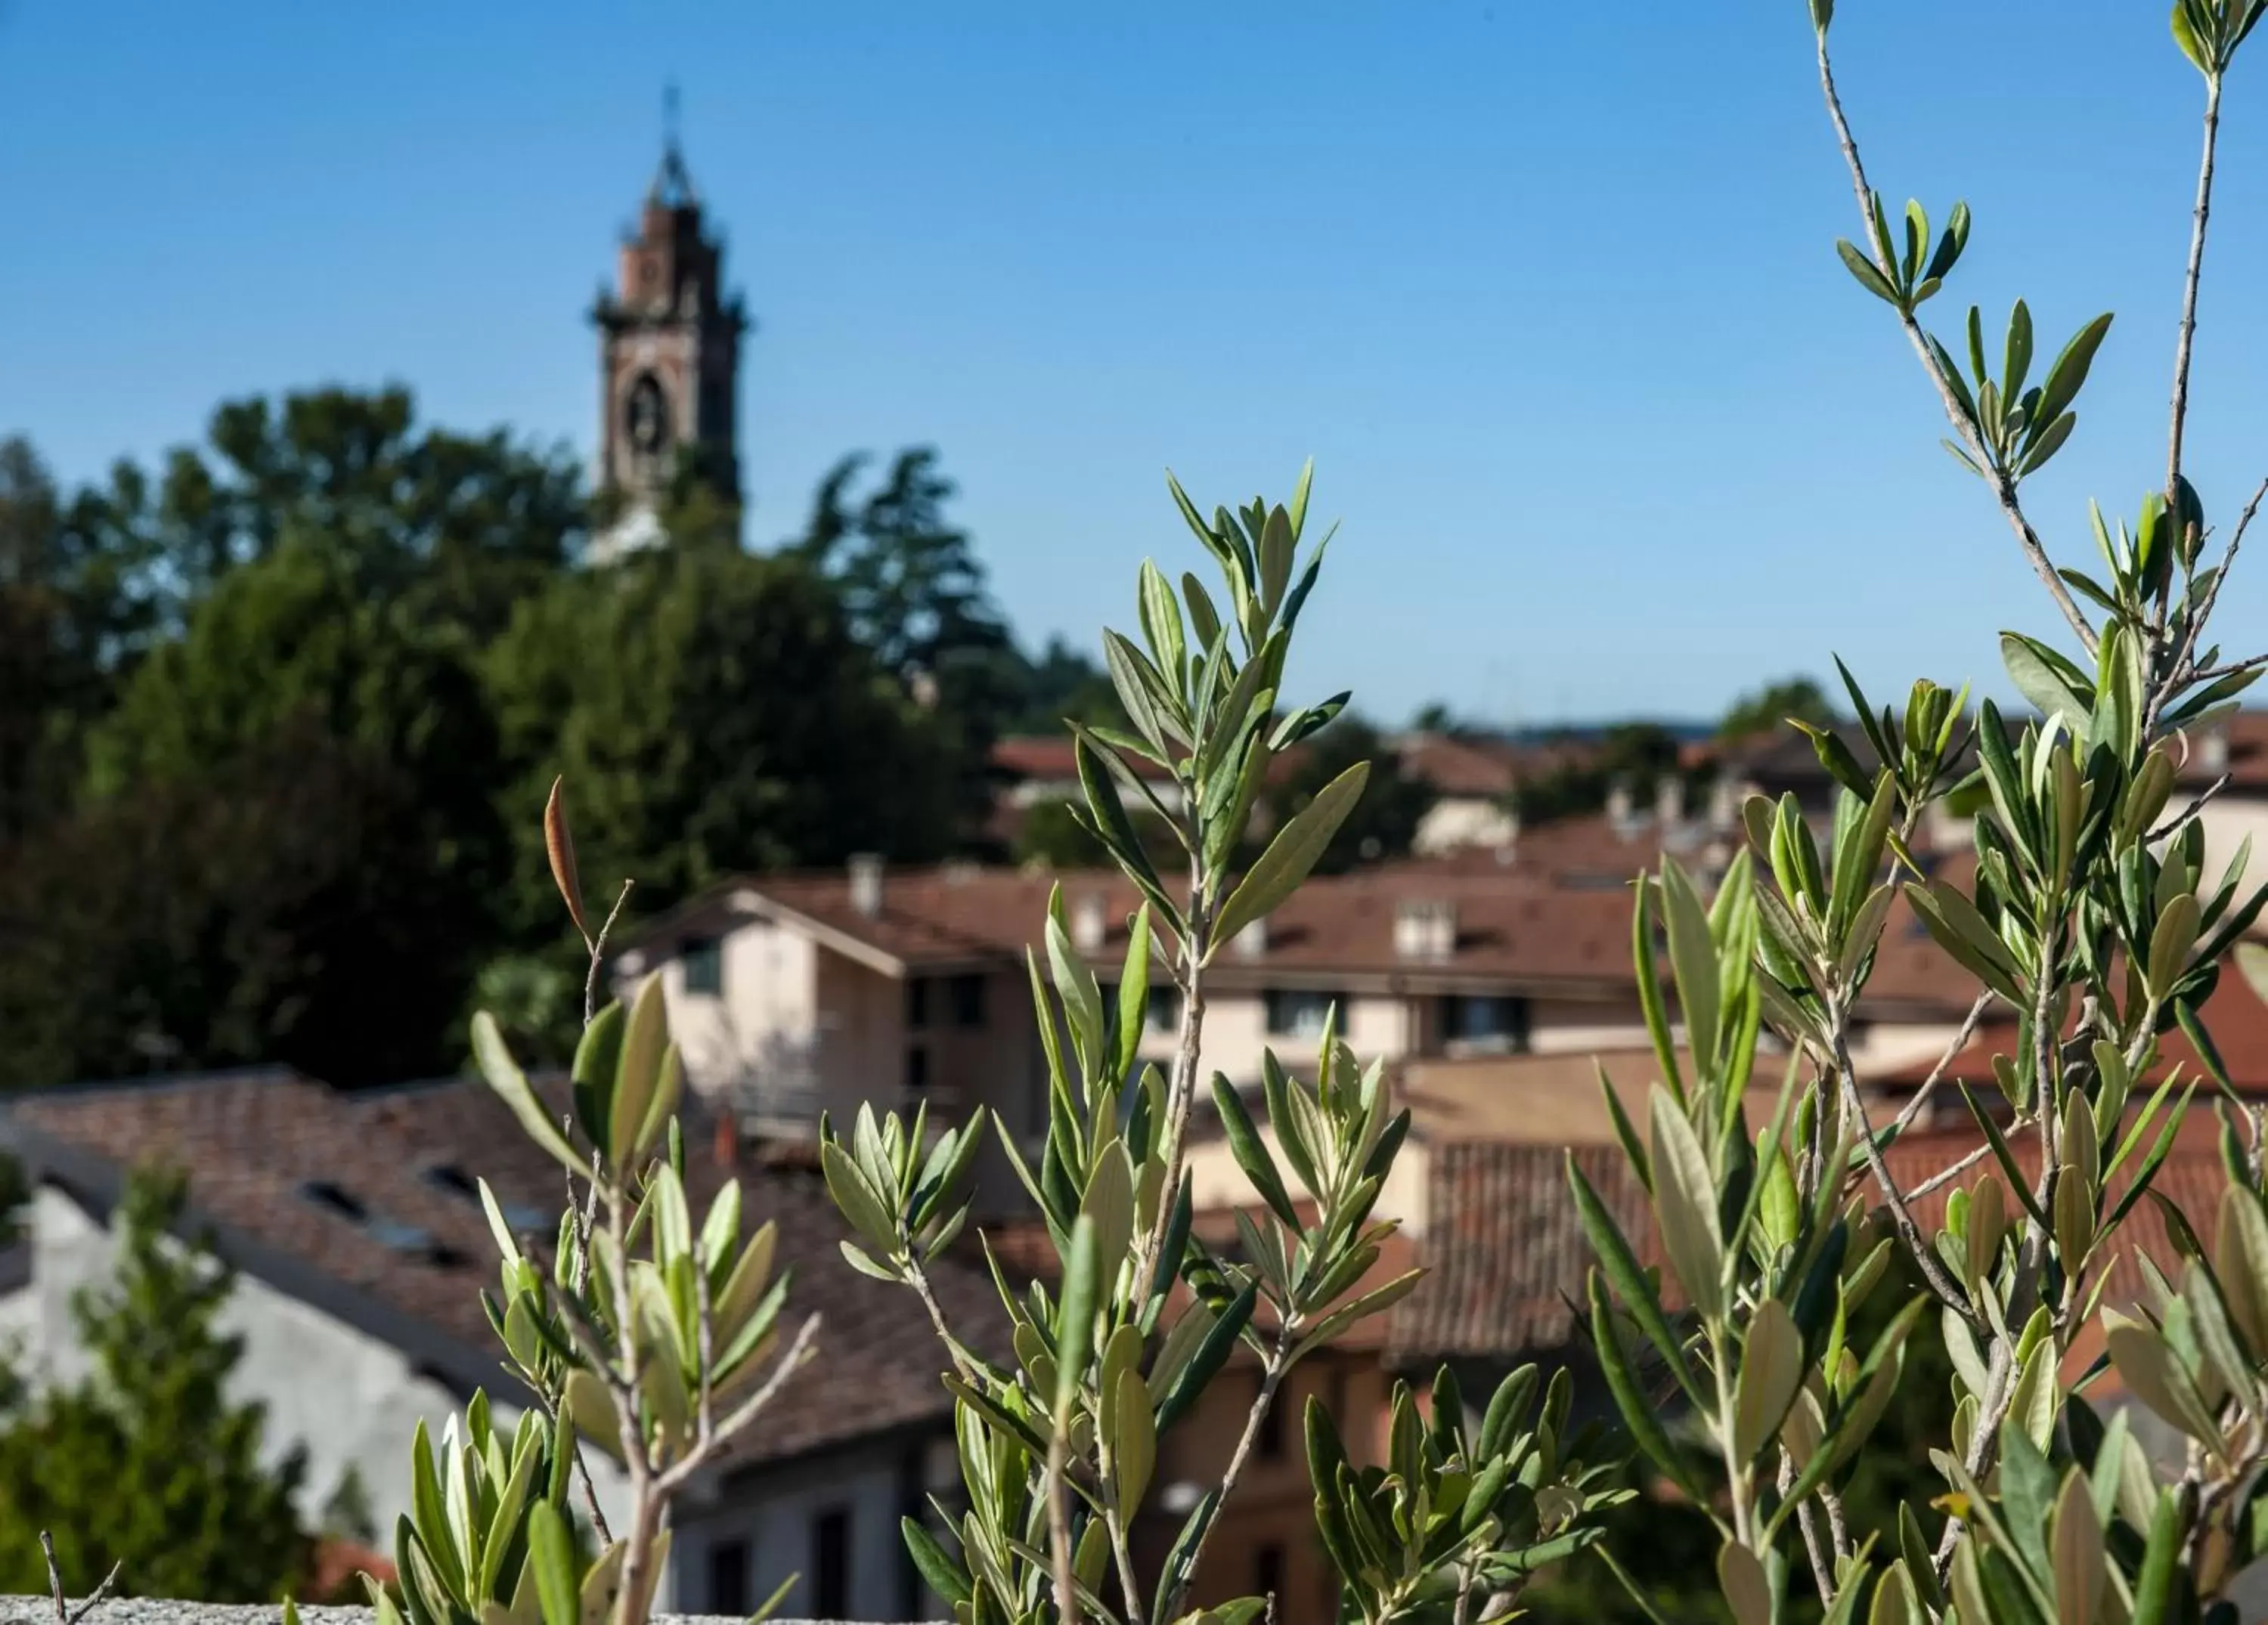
(713, 713)
(1772, 706)
(277, 715)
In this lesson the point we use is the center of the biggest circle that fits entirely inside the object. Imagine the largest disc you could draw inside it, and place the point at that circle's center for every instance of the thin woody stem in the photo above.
(65, 1614)
(598, 954)
(2004, 487)
(2188, 333)
(1968, 1030)
(1271, 1374)
(1942, 1285)
(1196, 940)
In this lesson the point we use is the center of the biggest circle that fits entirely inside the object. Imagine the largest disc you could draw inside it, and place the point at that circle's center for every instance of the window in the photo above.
(703, 961)
(1268, 1572)
(1165, 1013)
(1295, 1013)
(916, 1004)
(1271, 1431)
(916, 1069)
(1485, 1020)
(830, 1564)
(728, 1578)
(969, 1001)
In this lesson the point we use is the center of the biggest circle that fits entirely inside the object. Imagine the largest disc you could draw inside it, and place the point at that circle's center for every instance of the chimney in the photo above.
(867, 883)
(1252, 941)
(1619, 808)
(1088, 923)
(1425, 929)
(1669, 801)
(2212, 752)
(728, 1139)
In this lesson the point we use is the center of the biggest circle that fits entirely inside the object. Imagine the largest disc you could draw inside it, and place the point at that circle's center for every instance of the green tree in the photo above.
(713, 713)
(461, 525)
(290, 656)
(78, 603)
(249, 911)
(147, 1463)
(1771, 707)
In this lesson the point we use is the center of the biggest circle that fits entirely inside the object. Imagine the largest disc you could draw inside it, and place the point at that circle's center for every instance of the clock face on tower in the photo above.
(645, 416)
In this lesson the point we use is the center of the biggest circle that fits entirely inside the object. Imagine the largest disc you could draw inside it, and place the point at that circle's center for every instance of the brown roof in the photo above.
(1049, 757)
(1504, 1253)
(1451, 766)
(1514, 928)
(410, 1270)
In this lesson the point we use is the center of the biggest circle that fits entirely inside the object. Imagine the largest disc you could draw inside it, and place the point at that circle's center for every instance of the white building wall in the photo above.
(761, 1034)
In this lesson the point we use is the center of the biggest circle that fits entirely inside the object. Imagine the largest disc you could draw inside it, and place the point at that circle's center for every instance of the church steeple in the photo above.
(669, 351)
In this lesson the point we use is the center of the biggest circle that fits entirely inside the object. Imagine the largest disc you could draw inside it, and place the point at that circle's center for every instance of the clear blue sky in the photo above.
(1549, 291)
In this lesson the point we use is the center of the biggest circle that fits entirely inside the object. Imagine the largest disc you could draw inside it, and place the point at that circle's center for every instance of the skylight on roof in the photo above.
(520, 1215)
(339, 1200)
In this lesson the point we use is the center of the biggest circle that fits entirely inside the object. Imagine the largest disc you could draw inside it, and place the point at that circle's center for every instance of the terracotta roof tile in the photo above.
(1503, 1251)
(1514, 928)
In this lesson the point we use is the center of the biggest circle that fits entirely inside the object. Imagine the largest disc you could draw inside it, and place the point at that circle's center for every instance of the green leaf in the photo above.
(1108, 808)
(1771, 1369)
(1693, 961)
(1627, 1277)
(1376, 1301)
(2070, 369)
(637, 1075)
(1747, 1589)
(1251, 1151)
(1213, 1352)
(551, 1554)
(2154, 1587)
(505, 1077)
(1075, 1319)
(1132, 675)
(2045, 679)
(2154, 1376)
(1649, 990)
(939, 1571)
(1685, 1203)
(1640, 1413)
(1863, 268)
(1161, 627)
(1293, 854)
(856, 1200)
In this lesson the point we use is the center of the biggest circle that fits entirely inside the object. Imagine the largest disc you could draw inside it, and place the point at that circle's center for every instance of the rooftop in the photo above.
(390, 1236)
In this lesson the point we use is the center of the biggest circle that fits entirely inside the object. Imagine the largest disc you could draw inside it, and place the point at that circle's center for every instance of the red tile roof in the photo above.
(1504, 1253)
(1049, 757)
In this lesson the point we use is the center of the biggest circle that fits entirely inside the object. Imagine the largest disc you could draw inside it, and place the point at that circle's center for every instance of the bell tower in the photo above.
(669, 357)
